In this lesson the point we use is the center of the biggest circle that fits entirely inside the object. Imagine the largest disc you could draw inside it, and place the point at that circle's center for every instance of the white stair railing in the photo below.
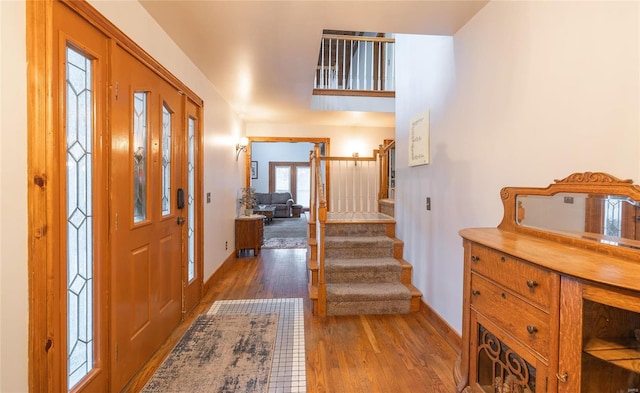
(355, 63)
(354, 184)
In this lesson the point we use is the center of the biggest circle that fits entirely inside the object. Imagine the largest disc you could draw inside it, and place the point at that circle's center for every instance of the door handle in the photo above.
(181, 220)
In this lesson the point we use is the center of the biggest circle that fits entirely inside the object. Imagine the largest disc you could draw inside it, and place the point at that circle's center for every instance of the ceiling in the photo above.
(261, 55)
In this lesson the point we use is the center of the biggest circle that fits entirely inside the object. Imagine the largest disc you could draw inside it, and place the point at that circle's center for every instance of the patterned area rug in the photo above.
(286, 233)
(285, 242)
(288, 368)
(220, 353)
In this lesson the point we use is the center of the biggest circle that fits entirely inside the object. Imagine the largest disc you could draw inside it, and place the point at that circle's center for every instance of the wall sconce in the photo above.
(241, 146)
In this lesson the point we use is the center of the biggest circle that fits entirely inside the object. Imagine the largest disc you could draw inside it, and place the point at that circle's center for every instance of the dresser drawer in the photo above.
(519, 318)
(533, 283)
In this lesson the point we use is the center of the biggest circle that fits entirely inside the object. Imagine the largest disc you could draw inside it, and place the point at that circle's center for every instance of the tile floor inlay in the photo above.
(288, 372)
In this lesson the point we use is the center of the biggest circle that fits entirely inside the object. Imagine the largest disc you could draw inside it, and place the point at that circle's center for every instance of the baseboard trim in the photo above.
(226, 266)
(442, 327)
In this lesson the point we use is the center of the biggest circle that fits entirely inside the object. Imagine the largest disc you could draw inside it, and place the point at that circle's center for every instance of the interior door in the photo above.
(147, 221)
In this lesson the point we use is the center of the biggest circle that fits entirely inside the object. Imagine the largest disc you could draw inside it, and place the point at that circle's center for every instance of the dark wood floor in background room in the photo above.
(394, 353)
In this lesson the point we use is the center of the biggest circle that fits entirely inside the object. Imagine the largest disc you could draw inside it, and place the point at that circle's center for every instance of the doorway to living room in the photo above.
(278, 164)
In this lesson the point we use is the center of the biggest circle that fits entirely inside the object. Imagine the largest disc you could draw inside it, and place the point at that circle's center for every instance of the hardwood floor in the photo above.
(380, 353)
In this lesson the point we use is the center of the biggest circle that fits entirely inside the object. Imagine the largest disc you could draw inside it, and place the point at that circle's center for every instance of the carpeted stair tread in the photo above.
(357, 241)
(362, 263)
(355, 229)
(350, 292)
(367, 270)
(359, 247)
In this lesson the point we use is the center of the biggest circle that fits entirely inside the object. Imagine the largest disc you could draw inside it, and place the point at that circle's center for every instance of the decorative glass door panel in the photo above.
(191, 179)
(192, 257)
(80, 297)
(166, 160)
(140, 151)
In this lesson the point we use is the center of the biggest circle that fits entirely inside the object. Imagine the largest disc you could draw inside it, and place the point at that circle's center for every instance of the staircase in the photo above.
(364, 270)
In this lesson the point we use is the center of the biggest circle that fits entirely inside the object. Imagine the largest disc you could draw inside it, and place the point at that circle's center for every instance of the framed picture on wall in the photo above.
(254, 169)
(419, 139)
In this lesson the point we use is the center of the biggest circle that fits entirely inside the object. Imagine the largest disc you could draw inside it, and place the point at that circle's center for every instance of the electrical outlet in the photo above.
(428, 203)
(208, 197)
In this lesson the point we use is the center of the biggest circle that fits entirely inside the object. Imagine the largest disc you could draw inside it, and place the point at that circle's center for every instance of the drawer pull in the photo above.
(475, 292)
(503, 259)
(562, 377)
(532, 329)
(475, 258)
(532, 284)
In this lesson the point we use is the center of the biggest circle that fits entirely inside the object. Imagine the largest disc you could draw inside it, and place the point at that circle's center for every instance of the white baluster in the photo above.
(351, 66)
(379, 63)
(344, 63)
(322, 62)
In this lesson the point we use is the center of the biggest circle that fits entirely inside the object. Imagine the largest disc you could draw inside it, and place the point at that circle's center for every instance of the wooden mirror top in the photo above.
(591, 210)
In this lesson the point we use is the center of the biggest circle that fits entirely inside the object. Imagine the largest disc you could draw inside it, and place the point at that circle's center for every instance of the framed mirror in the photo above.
(594, 209)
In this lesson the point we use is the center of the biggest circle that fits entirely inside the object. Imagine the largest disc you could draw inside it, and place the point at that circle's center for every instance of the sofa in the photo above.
(282, 201)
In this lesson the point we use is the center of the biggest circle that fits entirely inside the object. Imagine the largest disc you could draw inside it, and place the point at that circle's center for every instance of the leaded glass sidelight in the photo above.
(140, 156)
(79, 126)
(192, 205)
(166, 161)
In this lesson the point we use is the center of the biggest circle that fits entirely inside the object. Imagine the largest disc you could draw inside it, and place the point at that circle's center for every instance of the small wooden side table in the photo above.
(249, 233)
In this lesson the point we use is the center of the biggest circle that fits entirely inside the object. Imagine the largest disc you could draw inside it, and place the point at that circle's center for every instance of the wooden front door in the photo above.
(108, 153)
(148, 213)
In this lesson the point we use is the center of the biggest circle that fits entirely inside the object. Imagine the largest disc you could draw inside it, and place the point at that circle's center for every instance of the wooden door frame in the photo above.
(247, 157)
(45, 353)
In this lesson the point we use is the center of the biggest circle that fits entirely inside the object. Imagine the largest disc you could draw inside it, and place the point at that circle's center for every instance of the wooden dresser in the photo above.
(551, 304)
(249, 233)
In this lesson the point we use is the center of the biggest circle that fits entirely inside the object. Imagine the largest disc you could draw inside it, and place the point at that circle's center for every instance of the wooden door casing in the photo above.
(50, 26)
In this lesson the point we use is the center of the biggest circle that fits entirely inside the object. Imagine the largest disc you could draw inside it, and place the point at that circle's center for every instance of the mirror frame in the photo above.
(593, 183)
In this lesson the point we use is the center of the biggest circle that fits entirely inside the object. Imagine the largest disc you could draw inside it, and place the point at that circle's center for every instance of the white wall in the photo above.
(13, 199)
(222, 173)
(529, 92)
(343, 140)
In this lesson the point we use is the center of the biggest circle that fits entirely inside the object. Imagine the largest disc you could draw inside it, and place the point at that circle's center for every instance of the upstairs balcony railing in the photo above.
(352, 64)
